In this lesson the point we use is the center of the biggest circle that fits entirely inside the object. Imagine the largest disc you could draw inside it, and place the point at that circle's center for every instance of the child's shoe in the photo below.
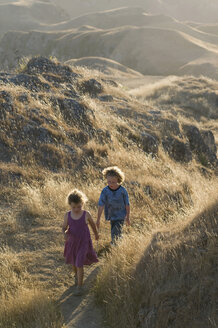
(79, 291)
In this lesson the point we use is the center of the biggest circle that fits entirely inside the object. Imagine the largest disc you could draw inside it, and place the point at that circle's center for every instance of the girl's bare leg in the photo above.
(80, 274)
(75, 270)
(75, 275)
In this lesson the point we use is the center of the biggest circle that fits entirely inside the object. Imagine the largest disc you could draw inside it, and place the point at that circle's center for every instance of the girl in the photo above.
(78, 249)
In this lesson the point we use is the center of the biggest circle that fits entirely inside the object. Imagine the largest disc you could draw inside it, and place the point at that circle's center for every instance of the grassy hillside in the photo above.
(60, 126)
(168, 278)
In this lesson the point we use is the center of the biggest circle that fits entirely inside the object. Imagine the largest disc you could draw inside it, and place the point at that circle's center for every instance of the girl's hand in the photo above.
(66, 235)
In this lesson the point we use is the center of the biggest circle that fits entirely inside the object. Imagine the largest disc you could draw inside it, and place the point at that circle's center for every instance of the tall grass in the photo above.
(23, 304)
(164, 195)
(165, 278)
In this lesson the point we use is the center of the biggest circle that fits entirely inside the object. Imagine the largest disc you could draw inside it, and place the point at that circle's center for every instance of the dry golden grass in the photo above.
(29, 308)
(165, 278)
(165, 197)
(22, 304)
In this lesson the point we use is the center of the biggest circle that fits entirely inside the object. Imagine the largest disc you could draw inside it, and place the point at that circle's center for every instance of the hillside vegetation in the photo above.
(60, 126)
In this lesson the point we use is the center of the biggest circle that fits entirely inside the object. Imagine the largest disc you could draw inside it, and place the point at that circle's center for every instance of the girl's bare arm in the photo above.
(93, 225)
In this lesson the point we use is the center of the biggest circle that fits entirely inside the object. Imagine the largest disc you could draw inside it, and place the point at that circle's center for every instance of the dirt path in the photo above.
(81, 311)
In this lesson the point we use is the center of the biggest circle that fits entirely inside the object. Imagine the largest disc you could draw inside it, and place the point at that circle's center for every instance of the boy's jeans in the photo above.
(116, 229)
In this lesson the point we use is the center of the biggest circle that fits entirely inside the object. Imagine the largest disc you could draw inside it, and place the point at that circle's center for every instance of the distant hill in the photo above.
(194, 10)
(106, 66)
(149, 44)
(149, 50)
(209, 28)
(26, 15)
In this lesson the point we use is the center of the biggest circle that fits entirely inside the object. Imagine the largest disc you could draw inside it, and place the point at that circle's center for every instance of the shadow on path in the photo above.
(81, 311)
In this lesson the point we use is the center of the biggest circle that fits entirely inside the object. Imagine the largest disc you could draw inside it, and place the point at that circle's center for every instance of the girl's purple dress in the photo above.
(78, 247)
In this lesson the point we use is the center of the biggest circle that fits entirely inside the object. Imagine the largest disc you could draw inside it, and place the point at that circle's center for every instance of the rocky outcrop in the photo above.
(149, 143)
(202, 144)
(43, 65)
(177, 149)
(43, 112)
(92, 87)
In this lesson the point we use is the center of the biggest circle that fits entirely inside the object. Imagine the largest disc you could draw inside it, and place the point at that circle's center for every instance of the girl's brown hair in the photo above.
(114, 171)
(76, 196)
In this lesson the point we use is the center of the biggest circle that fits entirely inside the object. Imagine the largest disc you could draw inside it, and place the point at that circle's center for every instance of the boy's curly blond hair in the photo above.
(114, 171)
(76, 196)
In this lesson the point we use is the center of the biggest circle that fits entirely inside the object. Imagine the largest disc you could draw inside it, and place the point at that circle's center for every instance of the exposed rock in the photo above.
(80, 138)
(70, 93)
(72, 110)
(5, 97)
(5, 152)
(30, 82)
(209, 140)
(149, 143)
(102, 136)
(155, 112)
(6, 103)
(171, 127)
(177, 149)
(23, 98)
(147, 317)
(39, 65)
(53, 78)
(50, 157)
(194, 136)
(148, 190)
(111, 82)
(92, 87)
(43, 135)
(106, 98)
(202, 144)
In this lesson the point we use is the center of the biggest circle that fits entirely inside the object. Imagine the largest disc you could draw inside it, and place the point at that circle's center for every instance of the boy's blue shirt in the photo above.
(114, 202)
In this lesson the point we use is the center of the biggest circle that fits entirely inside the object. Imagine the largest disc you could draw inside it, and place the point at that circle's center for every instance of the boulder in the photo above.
(43, 65)
(5, 153)
(6, 103)
(23, 98)
(72, 110)
(177, 149)
(103, 136)
(209, 140)
(172, 127)
(149, 143)
(194, 136)
(203, 144)
(92, 86)
(30, 82)
(106, 98)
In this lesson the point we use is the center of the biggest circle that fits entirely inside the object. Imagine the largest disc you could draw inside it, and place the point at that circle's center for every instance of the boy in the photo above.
(114, 200)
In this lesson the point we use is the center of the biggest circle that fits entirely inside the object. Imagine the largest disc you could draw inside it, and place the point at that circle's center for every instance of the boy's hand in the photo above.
(98, 224)
(128, 223)
(97, 236)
